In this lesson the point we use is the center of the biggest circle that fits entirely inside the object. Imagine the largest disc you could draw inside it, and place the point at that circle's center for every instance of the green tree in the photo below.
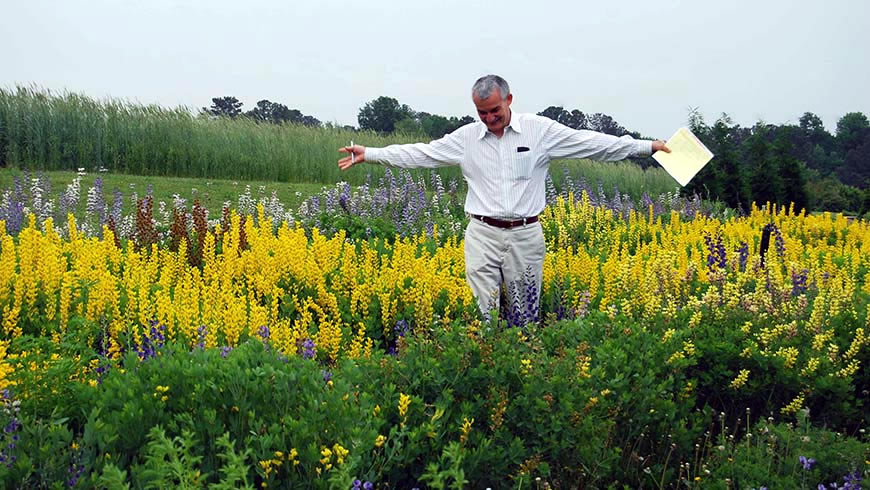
(227, 106)
(433, 125)
(813, 144)
(574, 119)
(310, 121)
(849, 131)
(765, 181)
(856, 164)
(792, 171)
(814, 131)
(557, 113)
(605, 124)
(382, 114)
(273, 112)
(724, 178)
(267, 111)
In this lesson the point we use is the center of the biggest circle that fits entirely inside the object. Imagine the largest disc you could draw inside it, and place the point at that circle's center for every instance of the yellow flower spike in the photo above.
(526, 366)
(740, 380)
(404, 402)
(850, 369)
(379, 441)
(794, 406)
(466, 429)
(689, 348)
(857, 342)
(676, 356)
(340, 453)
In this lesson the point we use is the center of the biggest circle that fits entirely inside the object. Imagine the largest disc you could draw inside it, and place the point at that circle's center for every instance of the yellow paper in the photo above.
(688, 156)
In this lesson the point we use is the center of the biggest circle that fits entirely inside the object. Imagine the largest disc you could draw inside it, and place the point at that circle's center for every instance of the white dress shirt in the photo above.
(506, 176)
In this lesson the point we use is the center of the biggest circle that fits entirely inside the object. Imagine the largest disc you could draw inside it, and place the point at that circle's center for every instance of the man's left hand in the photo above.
(658, 145)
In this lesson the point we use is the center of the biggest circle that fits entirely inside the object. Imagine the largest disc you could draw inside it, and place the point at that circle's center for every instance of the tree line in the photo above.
(265, 111)
(385, 115)
(801, 163)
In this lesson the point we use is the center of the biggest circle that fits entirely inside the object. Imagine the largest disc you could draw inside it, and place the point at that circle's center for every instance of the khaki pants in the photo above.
(512, 259)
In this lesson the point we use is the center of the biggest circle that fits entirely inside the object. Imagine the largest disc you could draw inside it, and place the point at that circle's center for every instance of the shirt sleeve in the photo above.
(442, 152)
(561, 141)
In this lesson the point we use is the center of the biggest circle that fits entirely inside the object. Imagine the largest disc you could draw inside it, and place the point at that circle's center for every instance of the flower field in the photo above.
(338, 345)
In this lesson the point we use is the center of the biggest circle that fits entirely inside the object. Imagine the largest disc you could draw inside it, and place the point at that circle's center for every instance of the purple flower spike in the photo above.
(308, 351)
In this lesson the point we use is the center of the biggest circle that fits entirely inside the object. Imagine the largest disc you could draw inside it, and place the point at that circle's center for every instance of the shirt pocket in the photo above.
(524, 164)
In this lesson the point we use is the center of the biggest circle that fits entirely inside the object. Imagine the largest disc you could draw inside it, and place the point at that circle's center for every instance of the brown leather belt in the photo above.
(500, 223)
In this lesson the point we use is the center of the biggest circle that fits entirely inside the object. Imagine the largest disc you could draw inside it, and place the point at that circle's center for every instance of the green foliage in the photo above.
(235, 469)
(113, 478)
(594, 402)
(831, 195)
(452, 475)
(169, 462)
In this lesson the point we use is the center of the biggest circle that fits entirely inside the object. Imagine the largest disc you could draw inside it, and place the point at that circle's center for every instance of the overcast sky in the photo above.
(645, 63)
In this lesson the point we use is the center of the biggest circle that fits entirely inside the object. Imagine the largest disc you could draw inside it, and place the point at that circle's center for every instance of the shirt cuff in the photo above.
(641, 148)
(372, 154)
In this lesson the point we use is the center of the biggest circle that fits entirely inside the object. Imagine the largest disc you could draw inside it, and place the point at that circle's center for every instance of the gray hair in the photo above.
(484, 86)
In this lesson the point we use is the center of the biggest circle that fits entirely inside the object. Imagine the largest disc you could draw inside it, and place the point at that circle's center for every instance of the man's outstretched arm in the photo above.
(442, 152)
(564, 142)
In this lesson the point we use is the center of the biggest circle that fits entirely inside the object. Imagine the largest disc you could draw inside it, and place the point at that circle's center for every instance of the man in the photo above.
(504, 159)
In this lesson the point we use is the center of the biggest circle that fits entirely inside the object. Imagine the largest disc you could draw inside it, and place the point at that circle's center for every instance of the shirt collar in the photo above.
(514, 124)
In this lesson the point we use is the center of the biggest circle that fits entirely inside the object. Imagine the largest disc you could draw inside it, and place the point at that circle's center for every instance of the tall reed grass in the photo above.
(41, 130)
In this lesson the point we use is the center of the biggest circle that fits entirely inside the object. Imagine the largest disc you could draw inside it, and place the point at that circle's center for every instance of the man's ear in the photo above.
(510, 98)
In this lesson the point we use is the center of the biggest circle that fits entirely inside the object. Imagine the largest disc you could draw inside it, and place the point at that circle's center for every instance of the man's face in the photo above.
(494, 112)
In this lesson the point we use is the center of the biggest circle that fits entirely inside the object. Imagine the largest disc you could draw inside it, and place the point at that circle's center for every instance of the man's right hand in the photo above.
(357, 154)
